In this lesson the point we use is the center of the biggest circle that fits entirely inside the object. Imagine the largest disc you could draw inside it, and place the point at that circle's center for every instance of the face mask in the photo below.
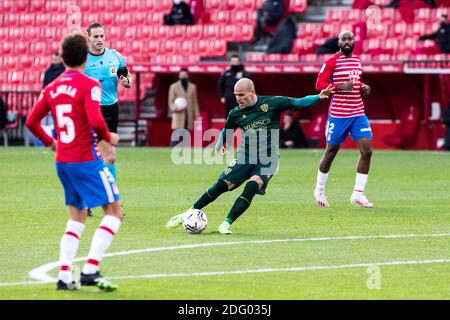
(238, 67)
(176, 2)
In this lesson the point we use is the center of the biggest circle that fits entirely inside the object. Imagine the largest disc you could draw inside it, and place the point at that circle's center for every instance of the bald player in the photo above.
(257, 158)
(345, 117)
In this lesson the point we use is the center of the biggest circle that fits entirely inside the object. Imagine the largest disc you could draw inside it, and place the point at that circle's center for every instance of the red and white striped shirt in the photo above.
(337, 70)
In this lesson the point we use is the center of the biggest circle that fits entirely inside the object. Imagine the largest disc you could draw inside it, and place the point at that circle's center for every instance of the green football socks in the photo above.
(211, 194)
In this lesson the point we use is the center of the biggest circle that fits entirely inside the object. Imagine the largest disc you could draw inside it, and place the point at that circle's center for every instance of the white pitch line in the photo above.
(215, 273)
(343, 266)
(41, 273)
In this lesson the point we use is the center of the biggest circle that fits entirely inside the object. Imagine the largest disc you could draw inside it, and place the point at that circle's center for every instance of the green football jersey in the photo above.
(260, 124)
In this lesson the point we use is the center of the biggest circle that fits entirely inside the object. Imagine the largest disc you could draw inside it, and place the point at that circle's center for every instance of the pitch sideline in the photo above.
(41, 277)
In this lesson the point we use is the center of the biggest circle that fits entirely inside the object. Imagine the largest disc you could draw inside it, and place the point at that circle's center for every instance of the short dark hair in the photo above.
(93, 26)
(74, 49)
(183, 70)
(235, 56)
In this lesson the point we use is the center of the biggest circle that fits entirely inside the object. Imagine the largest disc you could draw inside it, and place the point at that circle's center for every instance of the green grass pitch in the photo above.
(321, 253)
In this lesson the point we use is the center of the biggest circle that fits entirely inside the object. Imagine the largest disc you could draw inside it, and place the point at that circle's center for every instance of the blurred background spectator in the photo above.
(284, 36)
(227, 80)
(442, 37)
(54, 70)
(180, 14)
(269, 14)
(291, 135)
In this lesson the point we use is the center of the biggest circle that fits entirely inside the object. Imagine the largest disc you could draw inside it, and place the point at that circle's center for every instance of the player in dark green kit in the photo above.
(257, 158)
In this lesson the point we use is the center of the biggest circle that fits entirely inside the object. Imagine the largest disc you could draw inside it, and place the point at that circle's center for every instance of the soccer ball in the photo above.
(194, 221)
(180, 103)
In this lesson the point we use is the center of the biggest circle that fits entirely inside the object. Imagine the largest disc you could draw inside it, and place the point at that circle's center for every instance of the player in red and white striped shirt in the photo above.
(345, 117)
(74, 100)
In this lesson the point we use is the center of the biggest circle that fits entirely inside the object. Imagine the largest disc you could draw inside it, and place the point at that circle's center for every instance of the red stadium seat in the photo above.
(15, 34)
(408, 45)
(155, 19)
(41, 63)
(210, 32)
(123, 19)
(26, 20)
(163, 6)
(139, 19)
(232, 5)
(10, 63)
(390, 15)
(187, 47)
(297, 6)
(419, 28)
(21, 6)
(85, 6)
(120, 46)
(37, 49)
(245, 33)
(147, 6)
(177, 32)
(220, 17)
(309, 30)
(228, 32)
(116, 6)
(25, 63)
(136, 48)
(52, 6)
(4, 34)
(100, 6)
(213, 5)
(113, 34)
(315, 134)
(330, 30)
(89, 18)
(37, 6)
(440, 11)
(333, 16)
(202, 48)
(400, 30)
(217, 48)
(42, 20)
(54, 46)
(194, 32)
(162, 32)
(407, 130)
(132, 5)
(250, 5)
(131, 33)
(392, 45)
(58, 20)
(32, 77)
(6, 48)
(6, 6)
(107, 19)
(239, 17)
(144, 33)
(11, 20)
(168, 47)
(422, 14)
(21, 48)
(152, 47)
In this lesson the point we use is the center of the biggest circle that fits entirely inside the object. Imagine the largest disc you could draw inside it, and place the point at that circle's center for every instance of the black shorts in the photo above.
(111, 115)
